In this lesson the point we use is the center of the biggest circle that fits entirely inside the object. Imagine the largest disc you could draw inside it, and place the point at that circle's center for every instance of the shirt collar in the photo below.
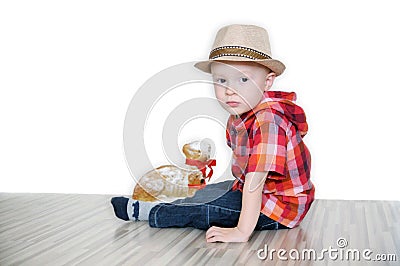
(268, 98)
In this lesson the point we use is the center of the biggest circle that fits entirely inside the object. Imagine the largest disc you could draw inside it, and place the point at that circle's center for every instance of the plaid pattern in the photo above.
(269, 139)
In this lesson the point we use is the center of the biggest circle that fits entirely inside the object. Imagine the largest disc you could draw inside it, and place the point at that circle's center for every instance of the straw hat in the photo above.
(242, 43)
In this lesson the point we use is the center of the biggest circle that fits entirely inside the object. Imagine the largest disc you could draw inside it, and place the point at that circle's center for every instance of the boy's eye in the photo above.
(244, 79)
(221, 80)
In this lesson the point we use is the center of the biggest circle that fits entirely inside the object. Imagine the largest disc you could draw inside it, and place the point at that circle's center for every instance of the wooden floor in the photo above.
(64, 229)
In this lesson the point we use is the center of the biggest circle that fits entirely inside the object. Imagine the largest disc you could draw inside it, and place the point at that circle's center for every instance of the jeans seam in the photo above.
(266, 225)
(208, 215)
(223, 208)
(155, 215)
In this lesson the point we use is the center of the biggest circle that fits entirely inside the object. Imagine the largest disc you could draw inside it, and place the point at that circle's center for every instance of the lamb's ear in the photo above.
(190, 151)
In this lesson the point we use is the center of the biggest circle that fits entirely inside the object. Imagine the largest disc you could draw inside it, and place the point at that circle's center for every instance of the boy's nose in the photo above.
(229, 91)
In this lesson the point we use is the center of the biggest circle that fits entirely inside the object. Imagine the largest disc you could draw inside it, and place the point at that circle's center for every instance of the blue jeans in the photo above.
(216, 204)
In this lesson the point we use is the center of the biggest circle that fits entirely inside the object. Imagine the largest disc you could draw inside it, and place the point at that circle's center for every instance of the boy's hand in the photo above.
(251, 202)
(220, 234)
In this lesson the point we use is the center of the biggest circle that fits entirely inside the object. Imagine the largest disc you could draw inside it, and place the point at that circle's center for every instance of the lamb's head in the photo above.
(200, 150)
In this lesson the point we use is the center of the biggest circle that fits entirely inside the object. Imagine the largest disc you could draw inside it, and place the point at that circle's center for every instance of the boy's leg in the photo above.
(215, 205)
(128, 209)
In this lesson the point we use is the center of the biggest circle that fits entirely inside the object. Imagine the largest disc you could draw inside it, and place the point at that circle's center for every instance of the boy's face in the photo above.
(239, 86)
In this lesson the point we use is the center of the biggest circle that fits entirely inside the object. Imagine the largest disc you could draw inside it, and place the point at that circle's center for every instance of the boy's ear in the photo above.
(269, 80)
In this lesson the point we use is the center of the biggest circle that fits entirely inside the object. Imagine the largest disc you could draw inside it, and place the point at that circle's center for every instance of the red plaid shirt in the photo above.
(269, 138)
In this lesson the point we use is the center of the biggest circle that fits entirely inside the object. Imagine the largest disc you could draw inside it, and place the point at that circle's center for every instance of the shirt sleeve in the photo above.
(267, 151)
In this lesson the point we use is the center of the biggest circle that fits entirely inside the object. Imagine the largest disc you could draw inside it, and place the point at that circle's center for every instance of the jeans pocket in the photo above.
(272, 225)
(222, 217)
(266, 223)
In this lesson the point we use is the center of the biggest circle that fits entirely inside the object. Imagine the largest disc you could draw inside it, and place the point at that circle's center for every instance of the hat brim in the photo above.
(275, 65)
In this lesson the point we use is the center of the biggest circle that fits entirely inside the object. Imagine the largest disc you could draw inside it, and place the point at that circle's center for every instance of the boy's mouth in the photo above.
(232, 104)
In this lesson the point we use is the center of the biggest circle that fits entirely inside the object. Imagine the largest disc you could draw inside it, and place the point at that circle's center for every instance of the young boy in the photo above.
(265, 131)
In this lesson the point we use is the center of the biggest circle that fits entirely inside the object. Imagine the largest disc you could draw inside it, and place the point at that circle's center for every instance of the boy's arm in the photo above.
(251, 204)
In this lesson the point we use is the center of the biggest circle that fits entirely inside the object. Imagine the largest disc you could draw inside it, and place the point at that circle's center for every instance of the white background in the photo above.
(69, 69)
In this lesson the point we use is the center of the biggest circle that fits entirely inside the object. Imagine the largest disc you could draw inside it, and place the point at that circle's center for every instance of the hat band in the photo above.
(237, 51)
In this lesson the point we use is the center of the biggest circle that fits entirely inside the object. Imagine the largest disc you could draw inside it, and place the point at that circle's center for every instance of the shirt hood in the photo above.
(283, 103)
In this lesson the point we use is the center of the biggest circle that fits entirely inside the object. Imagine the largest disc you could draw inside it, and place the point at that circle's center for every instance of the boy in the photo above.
(271, 163)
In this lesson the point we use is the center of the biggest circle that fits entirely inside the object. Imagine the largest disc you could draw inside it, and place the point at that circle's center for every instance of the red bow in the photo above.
(203, 165)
